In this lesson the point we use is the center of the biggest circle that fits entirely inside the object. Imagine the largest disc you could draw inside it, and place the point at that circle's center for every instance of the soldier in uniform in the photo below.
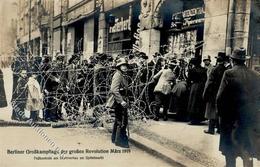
(118, 100)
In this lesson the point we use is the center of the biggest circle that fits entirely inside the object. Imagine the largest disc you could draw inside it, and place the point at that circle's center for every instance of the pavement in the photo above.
(73, 140)
(181, 144)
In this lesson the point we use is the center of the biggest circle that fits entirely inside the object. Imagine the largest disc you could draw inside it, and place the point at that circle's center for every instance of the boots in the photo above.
(211, 129)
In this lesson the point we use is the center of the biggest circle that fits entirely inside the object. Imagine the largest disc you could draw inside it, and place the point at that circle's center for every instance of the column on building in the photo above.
(241, 23)
(149, 22)
(70, 41)
(102, 29)
(216, 26)
(88, 47)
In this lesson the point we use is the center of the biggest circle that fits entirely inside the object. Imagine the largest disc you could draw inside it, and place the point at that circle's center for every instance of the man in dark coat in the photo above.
(21, 97)
(148, 71)
(18, 64)
(211, 90)
(59, 71)
(238, 103)
(197, 77)
(50, 85)
(73, 100)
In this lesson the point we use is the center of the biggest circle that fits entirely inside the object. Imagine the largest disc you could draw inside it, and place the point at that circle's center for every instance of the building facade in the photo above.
(34, 20)
(185, 28)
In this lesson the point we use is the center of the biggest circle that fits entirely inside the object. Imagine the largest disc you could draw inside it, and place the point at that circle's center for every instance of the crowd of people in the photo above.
(223, 94)
(227, 95)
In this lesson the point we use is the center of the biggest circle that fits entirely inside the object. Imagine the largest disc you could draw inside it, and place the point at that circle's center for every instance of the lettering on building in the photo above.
(189, 17)
(121, 25)
(136, 45)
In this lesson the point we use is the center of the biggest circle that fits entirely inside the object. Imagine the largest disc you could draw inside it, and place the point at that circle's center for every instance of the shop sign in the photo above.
(121, 24)
(188, 17)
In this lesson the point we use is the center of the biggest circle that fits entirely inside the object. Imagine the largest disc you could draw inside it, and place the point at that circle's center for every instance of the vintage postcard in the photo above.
(132, 83)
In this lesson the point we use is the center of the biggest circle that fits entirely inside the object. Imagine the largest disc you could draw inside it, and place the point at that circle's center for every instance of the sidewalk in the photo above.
(183, 142)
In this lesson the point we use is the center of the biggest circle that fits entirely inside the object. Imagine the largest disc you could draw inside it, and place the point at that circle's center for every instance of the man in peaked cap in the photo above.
(238, 106)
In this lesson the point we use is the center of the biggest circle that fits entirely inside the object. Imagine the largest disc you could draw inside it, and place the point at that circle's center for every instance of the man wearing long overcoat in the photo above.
(211, 90)
(238, 103)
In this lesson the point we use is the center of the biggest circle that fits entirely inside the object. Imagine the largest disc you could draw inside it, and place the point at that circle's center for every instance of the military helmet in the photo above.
(121, 61)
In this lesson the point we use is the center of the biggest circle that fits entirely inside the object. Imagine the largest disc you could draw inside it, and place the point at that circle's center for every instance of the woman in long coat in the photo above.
(3, 102)
(180, 94)
(197, 77)
(118, 101)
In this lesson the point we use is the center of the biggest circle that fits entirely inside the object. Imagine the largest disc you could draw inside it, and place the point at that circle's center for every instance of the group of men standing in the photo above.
(228, 96)
(63, 86)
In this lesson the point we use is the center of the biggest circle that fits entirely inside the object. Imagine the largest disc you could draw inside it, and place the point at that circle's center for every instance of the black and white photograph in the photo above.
(130, 83)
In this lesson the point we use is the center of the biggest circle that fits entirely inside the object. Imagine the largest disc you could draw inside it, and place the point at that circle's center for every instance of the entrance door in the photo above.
(79, 37)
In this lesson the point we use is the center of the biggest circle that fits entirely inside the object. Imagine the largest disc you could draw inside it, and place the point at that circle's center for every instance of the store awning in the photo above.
(80, 17)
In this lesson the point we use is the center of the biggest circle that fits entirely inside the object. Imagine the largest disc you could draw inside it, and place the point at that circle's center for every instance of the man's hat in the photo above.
(121, 61)
(221, 57)
(173, 62)
(239, 54)
(143, 55)
(156, 54)
(207, 58)
(74, 57)
(195, 61)
(102, 56)
(60, 56)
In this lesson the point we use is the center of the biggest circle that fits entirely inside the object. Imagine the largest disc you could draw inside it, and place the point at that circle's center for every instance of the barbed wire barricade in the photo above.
(78, 91)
